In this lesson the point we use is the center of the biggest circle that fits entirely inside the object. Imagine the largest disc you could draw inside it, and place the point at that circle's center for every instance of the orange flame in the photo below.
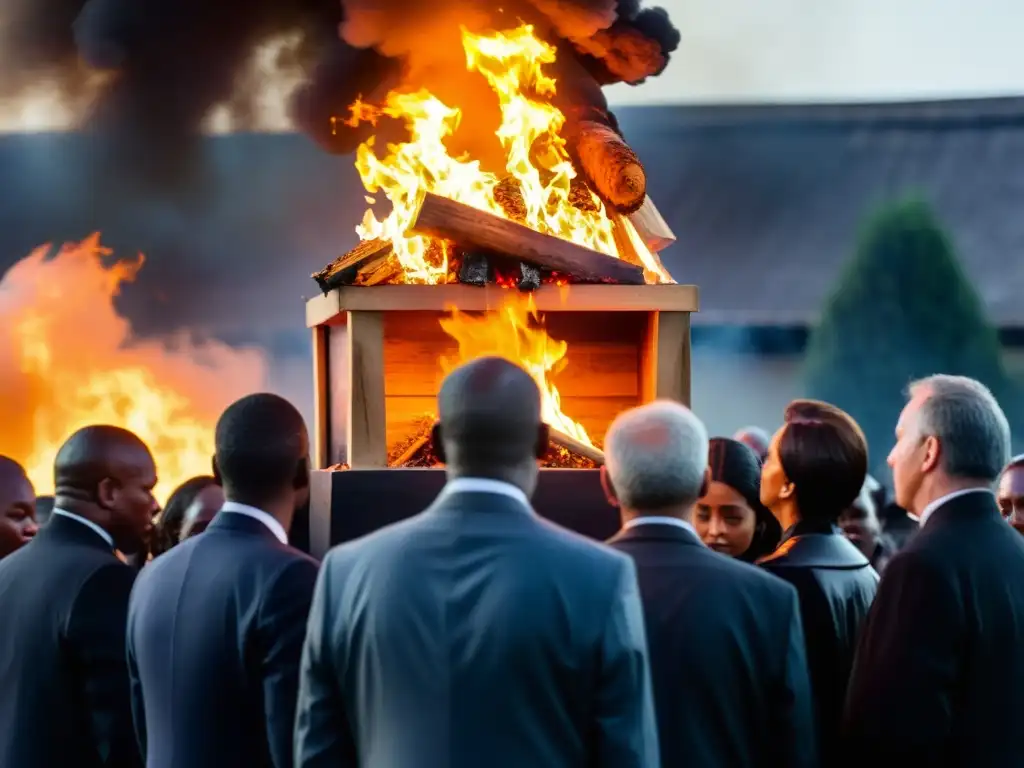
(516, 333)
(67, 361)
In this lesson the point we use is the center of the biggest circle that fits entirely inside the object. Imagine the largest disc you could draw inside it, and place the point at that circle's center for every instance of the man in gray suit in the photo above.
(477, 634)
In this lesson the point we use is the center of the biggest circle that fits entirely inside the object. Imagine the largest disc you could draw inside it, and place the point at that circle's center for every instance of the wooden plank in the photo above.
(344, 269)
(573, 445)
(330, 309)
(472, 228)
(321, 399)
(665, 358)
(367, 418)
(652, 228)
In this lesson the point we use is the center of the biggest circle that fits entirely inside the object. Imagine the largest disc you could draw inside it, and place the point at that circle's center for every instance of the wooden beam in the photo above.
(321, 398)
(665, 358)
(367, 256)
(475, 229)
(367, 418)
(331, 309)
(651, 227)
(573, 445)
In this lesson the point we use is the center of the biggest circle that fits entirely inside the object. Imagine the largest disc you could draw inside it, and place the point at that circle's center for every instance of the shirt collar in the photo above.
(486, 485)
(87, 523)
(661, 520)
(258, 514)
(928, 510)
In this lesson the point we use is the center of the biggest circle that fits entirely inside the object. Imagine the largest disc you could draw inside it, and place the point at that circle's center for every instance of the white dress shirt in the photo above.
(87, 523)
(257, 514)
(927, 511)
(661, 520)
(486, 485)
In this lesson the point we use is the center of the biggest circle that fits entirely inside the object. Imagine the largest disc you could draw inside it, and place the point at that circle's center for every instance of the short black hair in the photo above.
(824, 454)
(261, 445)
(173, 515)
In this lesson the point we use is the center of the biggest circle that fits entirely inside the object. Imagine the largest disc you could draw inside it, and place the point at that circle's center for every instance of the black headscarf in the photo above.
(735, 465)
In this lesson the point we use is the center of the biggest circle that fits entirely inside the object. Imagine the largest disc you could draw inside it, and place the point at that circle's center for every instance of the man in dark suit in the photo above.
(939, 667)
(64, 602)
(731, 685)
(216, 624)
(477, 634)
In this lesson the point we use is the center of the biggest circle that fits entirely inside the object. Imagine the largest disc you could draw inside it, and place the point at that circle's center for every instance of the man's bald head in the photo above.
(94, 453)
(490, 416)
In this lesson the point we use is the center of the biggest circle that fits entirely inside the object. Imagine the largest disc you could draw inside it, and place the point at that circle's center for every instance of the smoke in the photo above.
(68, 359)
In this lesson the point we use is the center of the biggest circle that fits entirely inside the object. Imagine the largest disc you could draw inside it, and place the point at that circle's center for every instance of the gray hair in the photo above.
(656, 456)
(968, 422)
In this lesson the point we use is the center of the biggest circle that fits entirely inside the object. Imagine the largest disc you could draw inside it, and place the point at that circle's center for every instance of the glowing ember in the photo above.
(516, 334)
(66, 361)
(535, 154)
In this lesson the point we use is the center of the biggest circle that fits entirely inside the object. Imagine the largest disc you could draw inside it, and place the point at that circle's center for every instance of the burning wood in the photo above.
(573, 445)
(651, 227)
(472, 228)
(369, 263)
(611, 167)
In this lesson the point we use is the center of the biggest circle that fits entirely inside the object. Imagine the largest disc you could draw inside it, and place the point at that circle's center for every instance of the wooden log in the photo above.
(346, 268)
(610, 166)
(651, 227)
(475, 269)
(573, 445)
(476, 229)
(378, 271)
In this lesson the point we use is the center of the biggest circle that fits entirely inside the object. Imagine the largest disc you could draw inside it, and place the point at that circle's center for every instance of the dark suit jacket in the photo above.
(215, 632)
(939, 676)
(63, 678)
(727, 655)
(836, 585)
(475, 634)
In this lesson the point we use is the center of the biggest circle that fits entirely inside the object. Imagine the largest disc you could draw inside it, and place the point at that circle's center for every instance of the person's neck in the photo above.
(283, 511)
(520, 478)
(941, 486)
(83, 509)
(787, 514)
(682, 512)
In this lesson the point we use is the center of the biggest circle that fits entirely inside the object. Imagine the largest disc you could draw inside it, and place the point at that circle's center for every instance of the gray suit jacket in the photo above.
(475, 634)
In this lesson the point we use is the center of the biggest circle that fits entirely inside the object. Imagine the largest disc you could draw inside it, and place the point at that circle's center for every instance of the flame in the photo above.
(516, 332)
(512, 63)
(66, 361)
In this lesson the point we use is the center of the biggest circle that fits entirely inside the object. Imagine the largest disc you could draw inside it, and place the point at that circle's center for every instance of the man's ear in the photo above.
(436, 443)
(609, 489)
(301, 479)
(106, 492)
(932, 453)
(216, 471)
(705, 483)
(543, 442)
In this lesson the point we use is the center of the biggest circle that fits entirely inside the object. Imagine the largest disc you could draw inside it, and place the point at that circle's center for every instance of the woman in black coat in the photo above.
(814, 470)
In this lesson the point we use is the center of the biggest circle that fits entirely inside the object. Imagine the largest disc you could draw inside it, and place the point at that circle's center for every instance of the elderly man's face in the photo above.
(1011, 496)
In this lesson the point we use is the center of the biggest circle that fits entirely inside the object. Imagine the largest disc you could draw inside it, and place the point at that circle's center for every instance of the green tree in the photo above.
(903, 308)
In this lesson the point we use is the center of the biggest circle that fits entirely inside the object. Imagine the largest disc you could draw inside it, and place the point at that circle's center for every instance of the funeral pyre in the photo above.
(559, 211)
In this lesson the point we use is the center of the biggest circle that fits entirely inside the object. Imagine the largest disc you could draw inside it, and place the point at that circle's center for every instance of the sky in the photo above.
(838, 50)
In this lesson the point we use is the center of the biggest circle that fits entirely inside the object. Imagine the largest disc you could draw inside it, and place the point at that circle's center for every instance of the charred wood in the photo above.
(344, 270)
(529, 277)
(475, 268)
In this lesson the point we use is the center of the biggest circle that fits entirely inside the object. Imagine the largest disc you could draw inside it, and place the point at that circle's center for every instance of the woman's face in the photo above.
(724, 520)
(773, 477)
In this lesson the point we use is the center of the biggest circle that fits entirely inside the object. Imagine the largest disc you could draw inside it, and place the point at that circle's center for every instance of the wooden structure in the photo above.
(377, 351)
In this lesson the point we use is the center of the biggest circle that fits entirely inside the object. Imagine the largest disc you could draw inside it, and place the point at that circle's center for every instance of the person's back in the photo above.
(216, 624)
(477, 634)
(726, 646)
(63, 601)
(199, 640)
(939, 666)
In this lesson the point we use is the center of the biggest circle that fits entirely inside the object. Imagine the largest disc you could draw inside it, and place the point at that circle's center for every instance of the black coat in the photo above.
(63, 679)
(939, 677)
(836, 585)
(215, 633)
(727, 655)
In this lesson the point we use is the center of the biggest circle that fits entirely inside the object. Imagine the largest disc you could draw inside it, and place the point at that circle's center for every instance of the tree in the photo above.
(903, 309)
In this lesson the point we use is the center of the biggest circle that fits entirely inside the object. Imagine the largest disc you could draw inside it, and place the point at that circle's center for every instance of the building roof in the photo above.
(767, 201)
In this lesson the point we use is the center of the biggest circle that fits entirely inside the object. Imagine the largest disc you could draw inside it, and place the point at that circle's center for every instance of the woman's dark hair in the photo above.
(824, 454)
(168, 528)
(734, 464)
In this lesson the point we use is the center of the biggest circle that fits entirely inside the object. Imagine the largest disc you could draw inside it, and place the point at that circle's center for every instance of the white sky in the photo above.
(814, 50)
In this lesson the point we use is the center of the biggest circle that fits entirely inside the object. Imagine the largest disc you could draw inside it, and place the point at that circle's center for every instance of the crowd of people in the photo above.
(763, 604)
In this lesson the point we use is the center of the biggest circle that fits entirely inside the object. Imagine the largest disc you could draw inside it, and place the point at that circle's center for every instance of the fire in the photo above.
(67, 361)
(515, 333)
(512, 63)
